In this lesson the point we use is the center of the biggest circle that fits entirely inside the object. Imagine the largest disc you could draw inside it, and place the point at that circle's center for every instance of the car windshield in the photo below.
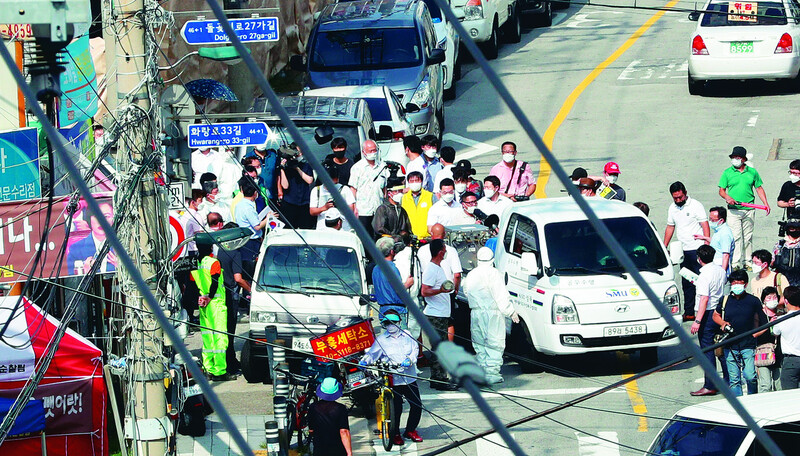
(575, 245)
(379, 108)
(349, 131)
(761, 13)
(689, 437)
(305, 269)
(365, 49)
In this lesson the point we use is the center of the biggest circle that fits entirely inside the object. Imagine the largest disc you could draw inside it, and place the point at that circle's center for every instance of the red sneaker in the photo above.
(413, 436)
(397, 440)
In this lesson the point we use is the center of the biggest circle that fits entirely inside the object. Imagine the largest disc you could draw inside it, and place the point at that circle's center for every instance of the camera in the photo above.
(727, 329)
(289, 153)
(519, 198)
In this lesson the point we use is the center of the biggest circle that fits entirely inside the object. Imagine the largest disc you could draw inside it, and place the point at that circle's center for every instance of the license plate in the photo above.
(302, 344)
(741, 47)
(189, 391)
(614, 331)
(355, 377)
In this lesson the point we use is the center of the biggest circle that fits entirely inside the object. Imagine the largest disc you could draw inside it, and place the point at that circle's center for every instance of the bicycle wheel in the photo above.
(388, 426)
(291, 421)
(303, 433)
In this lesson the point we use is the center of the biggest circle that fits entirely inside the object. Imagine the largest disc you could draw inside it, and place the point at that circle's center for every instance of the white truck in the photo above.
(571, 294)
(486, 20)
(305, 281)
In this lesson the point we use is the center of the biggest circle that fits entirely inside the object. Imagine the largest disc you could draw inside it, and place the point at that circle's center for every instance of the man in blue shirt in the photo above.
(269, 169)
(247, 216)
(384, 293)
(721, 238)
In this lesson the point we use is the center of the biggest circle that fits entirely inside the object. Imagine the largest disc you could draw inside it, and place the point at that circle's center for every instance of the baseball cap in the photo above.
(739, 151)
(333, 214)
(578, 173)
(611, 168)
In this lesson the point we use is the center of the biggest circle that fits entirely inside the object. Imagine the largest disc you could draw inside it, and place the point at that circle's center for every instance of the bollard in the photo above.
(273, 442)
(271, 333)
(282, 417)
(281, 386)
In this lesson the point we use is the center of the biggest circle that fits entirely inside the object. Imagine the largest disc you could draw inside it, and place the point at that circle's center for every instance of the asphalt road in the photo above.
(599, 95)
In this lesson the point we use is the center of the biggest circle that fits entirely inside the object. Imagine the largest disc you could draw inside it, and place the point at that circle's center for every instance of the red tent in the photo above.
(72, 392)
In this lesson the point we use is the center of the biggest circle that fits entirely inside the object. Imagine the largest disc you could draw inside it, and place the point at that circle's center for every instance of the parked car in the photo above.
(484, 20)
(385, 42)
(714, 428)
(539, 12)
(761, 45)
(447, 40)
(389, 116)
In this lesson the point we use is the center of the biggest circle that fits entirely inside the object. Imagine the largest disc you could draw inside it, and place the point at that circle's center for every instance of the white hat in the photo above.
(485, 254)
(333, 214)
(261, 147)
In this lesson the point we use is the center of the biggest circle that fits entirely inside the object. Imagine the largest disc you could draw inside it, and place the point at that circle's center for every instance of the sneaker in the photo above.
(398, 440)
(492, 379)
(413, 436)
(227, 377)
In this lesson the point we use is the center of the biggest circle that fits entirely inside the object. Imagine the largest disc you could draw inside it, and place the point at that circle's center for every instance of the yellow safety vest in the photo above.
(202, 277)
(418, 213)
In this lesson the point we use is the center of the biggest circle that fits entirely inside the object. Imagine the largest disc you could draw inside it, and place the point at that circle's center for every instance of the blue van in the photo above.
(382, 42)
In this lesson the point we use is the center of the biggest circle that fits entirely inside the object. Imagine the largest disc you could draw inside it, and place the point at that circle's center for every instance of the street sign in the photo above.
(177, 195)
(250, 30)
(177, 236)
(228, 134)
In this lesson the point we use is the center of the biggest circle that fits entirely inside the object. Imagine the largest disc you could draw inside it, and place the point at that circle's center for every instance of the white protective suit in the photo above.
(490, 304)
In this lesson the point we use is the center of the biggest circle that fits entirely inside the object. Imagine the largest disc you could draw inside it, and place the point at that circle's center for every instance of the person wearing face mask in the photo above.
(416, 161)
(789, 196)
(269, 172)
(515, 177)
(251, 174)
(385, 295)
(493, 202)
(740, 313)
(452, 267)
(320, 201)
(787, 253)
(368, 178)
(397, 346)
(204, 161)
(469, 202)
(490, 305)
(211, 202)
(464, 168)
(296, 178)
(721, 239)
(736, 185)
(339, 160)
(610, 176)
(430, 149)
(446, 208)
(447, 157)
(436, 289)
(769, 377)
(763, 277)
(417, 202)
(390, 218)
(686, 217)
(789, 332)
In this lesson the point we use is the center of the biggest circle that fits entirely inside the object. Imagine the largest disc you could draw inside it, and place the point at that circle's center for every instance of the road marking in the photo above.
(493, 444)
(474, 148)
(550, 133)
(519, 393)
(583, 18)
(655, 69)
(751, 122)
(589, 445)
(632, 388)
(409, 449)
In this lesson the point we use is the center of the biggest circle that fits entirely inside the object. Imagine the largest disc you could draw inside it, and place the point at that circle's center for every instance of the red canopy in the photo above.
(72, 391)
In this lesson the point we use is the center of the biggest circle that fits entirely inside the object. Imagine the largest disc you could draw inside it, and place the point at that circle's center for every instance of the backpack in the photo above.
(787, 259)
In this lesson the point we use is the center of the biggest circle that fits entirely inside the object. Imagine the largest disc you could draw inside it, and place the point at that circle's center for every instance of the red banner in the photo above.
(344, 342)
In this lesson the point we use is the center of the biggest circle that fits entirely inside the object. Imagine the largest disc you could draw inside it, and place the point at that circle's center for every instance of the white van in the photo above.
(305, 281)
(571, 293)
(715, 428)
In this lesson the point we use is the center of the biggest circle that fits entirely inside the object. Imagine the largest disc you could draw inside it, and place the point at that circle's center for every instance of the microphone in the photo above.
(479, 214)
(492, 222)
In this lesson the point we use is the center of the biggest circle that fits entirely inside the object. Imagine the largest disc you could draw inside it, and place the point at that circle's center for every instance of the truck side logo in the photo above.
(622, 308)
(614, 293)
(634, 292)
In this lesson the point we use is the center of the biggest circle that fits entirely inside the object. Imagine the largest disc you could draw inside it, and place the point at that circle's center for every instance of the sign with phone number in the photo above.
(343, 342)
(743, 11)
(16, 31)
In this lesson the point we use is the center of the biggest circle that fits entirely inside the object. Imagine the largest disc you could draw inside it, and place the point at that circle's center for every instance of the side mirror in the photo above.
(411, 108)
(364, 301)
(385, 133)
(437, 56)
(296, 63)
(323, 134)
(694, 16)
(676, 253)
(528, 263)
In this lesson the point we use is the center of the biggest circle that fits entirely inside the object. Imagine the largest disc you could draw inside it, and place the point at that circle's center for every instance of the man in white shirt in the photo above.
(444, 210)
(447, 157)
(493, 202)
(211, 202)
(710, 284)
(203, 161)
(790, 340)
(367, 179)
(321, 200)
(416, 162)
(437, 308)
(686, 218)
(469, 202)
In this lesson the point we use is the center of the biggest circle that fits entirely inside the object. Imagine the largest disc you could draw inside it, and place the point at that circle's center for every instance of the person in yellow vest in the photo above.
(417, 202)
(213, 314)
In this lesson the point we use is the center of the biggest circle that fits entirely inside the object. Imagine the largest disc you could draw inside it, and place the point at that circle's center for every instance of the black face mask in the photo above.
(339, 153)
(679, 204)
(794, 234)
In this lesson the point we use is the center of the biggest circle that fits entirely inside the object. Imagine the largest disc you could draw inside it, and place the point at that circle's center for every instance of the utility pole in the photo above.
(144, 232)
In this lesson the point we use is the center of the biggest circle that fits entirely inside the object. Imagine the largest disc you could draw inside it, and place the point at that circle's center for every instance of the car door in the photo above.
(429, 40)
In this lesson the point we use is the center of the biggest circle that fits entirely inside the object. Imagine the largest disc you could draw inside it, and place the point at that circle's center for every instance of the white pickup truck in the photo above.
(486, 20)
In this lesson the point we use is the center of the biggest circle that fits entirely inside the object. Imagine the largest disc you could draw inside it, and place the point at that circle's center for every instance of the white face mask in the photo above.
(414, 186)
(448, 197)
(371, 157)
(736, 162)
(392, 328)
(612, 178)
(508, 158)
(576, 182)
(794, 179)
(430, 153)
(470, 209)
(488, 192)
(771, 304)
(397, 197)
(461, 188)
(757, 268)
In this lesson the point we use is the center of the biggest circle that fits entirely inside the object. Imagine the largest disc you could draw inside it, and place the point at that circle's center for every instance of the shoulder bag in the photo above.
(720, 336)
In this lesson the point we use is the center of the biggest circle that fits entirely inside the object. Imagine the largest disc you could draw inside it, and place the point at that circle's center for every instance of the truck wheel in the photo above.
(450, 93)
(513, 28)
(546, 19)
(527, 357)
(648, 357)
(252, 371)
(492, 45)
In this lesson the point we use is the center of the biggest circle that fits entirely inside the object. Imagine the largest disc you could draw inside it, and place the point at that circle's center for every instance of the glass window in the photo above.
(349, 131)
(433, 9)
(321, 270)
(785, 435)
(689, 437)
(521, 236)
(364, 49)
(768, 13)
(379, 108)
(575, 244)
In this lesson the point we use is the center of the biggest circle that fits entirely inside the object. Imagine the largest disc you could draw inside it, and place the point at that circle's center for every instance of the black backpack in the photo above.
(787, 260)
(192, 419)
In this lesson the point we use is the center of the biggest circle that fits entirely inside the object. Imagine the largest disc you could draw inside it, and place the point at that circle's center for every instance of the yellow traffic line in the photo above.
(550, 133)
(632, 388)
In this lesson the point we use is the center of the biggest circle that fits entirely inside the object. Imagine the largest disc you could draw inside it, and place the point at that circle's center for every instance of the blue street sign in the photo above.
(228, 134)
(250, 30)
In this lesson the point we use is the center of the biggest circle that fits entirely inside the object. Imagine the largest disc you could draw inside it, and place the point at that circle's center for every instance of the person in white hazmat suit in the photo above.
(490, 305)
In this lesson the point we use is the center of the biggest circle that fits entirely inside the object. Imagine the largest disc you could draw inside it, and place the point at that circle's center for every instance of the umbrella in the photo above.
(210, 89)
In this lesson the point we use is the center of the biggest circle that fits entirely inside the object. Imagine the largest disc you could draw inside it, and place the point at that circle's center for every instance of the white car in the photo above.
(758, 41)
(448, 40)
(388, 115)
(485, 20)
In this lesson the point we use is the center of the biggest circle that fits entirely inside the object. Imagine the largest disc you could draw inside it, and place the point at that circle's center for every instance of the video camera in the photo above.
(396, 176)
(289, 153)
(520, 198)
